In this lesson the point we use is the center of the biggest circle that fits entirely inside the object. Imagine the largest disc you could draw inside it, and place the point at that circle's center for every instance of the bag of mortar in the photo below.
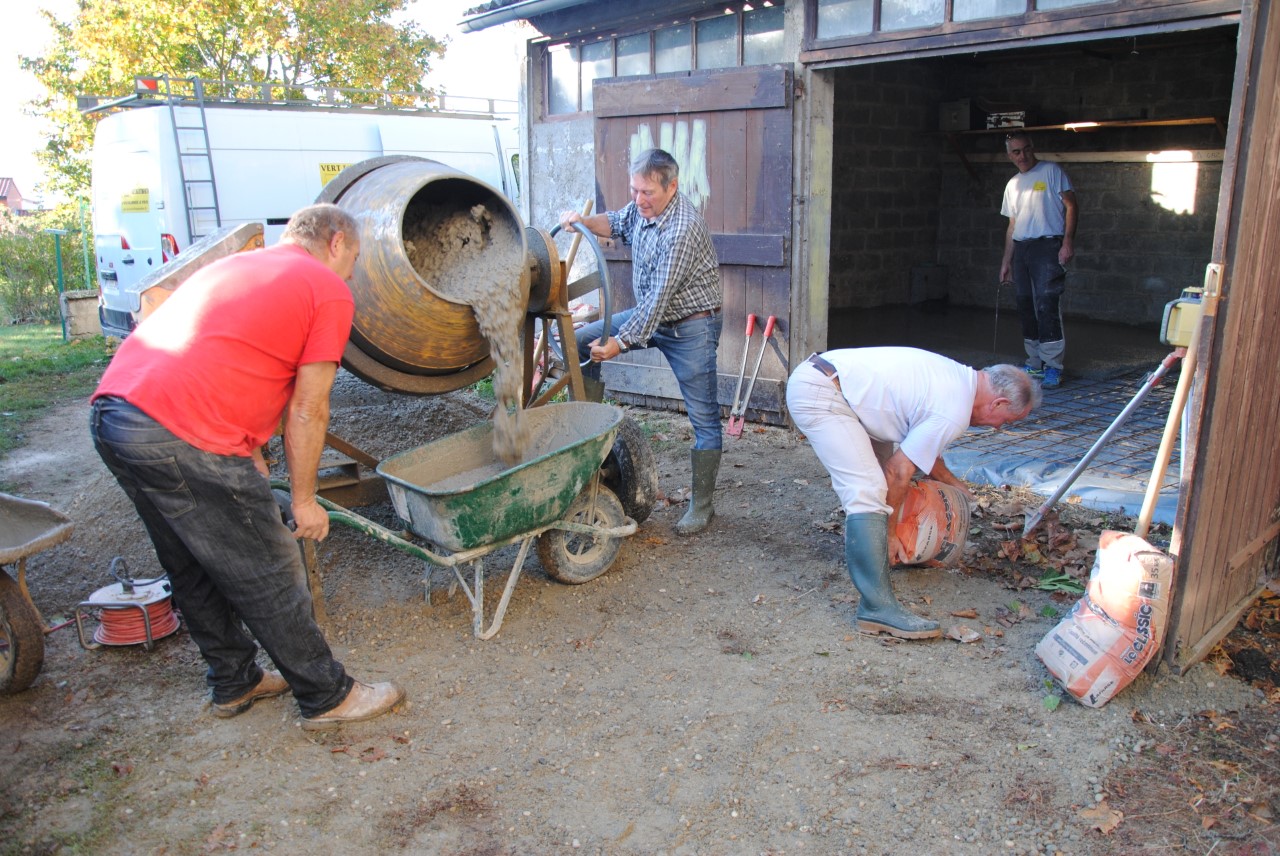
(1115, 628)
(933, 523)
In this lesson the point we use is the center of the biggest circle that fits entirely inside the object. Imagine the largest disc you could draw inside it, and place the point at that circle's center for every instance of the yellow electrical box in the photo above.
(1181, 317)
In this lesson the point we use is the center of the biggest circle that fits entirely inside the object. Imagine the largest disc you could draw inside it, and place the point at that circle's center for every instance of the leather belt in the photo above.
(705, 313)
(826, 368)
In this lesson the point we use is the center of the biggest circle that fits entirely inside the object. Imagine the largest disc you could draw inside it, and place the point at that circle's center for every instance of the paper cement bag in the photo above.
(1113, 631)
(933, 523)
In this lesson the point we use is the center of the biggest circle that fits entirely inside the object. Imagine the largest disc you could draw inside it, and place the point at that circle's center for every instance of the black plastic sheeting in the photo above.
(1041, 451)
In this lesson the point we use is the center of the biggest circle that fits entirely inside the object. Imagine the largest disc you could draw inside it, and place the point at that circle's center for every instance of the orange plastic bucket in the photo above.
(933, 523)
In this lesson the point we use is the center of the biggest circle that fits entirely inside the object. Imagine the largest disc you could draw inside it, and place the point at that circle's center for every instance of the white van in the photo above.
(248, 162)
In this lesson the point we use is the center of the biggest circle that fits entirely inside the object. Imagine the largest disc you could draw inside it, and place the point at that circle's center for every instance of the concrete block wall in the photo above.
(885, 182)
(902, 198)
(1133, 254)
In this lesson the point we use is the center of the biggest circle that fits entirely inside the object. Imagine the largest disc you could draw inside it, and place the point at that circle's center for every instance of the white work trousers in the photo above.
(839, 440)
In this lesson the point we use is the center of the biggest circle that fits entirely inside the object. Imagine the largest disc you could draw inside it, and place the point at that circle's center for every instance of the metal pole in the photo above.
(57, 258)
(57, 255)
(85, 235)
(1033, 519)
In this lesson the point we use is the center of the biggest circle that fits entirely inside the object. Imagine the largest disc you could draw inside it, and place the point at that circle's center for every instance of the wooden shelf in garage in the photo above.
(1100, 125)
(1078, 127)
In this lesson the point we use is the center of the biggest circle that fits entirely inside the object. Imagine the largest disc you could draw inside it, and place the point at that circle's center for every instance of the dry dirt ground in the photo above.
(706, 696)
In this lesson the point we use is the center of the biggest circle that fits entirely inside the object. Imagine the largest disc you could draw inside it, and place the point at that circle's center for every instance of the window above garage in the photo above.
(844, 31)
(845, 18)
(741, 34)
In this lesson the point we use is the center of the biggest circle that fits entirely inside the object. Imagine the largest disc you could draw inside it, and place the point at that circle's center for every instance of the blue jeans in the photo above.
(690, 349)
(218, 534)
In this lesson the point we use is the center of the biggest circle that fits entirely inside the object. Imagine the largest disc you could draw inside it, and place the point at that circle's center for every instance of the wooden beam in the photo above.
(754, 250)
(1197, 156)
(1248, 551)
(698, 92)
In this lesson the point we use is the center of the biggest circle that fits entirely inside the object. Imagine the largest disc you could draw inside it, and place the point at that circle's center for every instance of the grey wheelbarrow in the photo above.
(27, 527)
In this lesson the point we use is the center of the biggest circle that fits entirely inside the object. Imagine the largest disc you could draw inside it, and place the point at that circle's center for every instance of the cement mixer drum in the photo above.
(432, 241)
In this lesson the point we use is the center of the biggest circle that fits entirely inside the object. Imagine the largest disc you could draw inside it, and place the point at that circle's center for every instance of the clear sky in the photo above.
(484, 64)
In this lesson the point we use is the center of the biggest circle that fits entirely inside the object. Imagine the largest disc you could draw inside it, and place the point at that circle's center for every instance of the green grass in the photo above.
(39, 370)
(484, 389)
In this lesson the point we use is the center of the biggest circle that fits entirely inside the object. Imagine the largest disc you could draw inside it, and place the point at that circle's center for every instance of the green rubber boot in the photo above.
(866, 552)
(706, 464)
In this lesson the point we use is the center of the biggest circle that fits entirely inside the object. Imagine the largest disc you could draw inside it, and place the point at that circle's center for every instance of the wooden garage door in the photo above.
(1225, 540)
(730, 130)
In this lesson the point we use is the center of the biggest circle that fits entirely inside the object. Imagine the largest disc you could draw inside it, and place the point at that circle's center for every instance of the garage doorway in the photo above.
(917, 177)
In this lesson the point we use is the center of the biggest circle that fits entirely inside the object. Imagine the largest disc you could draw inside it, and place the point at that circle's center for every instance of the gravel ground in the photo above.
(706, 696)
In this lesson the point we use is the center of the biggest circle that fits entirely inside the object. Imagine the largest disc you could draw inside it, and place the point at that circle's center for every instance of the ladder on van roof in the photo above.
(195, 161)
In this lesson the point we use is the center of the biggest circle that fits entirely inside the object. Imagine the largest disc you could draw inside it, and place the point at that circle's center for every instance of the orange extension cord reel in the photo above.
(129, 612)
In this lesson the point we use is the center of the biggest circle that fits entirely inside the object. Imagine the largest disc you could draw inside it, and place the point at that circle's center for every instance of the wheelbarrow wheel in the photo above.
(630, 472)
(21, 638)
(574, 557)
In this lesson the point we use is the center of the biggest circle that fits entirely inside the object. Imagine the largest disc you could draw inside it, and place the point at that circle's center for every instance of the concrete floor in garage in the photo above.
(1106, 366)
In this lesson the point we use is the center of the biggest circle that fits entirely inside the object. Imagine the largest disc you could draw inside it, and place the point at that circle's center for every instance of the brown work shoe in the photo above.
(271, 685)
(365, 701)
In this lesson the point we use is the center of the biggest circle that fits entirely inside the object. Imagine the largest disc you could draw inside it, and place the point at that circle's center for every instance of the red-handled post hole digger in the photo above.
(737, 413)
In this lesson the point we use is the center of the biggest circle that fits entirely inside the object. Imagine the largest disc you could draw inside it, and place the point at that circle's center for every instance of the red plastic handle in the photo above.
(751, 324)
(768, 325)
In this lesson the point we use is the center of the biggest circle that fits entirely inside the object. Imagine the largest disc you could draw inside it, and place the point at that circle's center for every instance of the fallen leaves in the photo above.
(368, 754)
(1014, 613)
(962, 634)
(1011, 550)
(1102, 818)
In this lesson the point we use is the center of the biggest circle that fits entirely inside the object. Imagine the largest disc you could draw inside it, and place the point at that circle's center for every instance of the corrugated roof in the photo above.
(489, 7)
(493, 5)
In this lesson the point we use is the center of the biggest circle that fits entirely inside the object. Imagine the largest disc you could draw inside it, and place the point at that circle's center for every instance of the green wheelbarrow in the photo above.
(464, 504)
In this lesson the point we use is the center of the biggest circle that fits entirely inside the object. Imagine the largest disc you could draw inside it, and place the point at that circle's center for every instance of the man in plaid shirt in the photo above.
(676, 280)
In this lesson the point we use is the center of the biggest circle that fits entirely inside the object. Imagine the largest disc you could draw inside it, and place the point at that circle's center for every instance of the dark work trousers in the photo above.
(1040, 281)
(218, 534)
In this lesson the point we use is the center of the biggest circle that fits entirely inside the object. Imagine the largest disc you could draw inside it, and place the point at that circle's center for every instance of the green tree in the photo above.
(299, 43)
(28, 262)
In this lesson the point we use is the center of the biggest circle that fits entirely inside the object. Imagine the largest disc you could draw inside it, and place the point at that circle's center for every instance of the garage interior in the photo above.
(917, 182)
(917, 235)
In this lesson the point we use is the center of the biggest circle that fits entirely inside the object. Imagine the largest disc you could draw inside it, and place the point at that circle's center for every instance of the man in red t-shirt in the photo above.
(180, 417)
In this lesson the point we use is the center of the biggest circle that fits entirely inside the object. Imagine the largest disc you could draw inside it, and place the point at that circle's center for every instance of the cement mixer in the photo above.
(415, 331)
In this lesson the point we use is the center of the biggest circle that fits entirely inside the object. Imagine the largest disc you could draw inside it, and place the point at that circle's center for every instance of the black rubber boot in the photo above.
(706, 465)
(866, 552)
